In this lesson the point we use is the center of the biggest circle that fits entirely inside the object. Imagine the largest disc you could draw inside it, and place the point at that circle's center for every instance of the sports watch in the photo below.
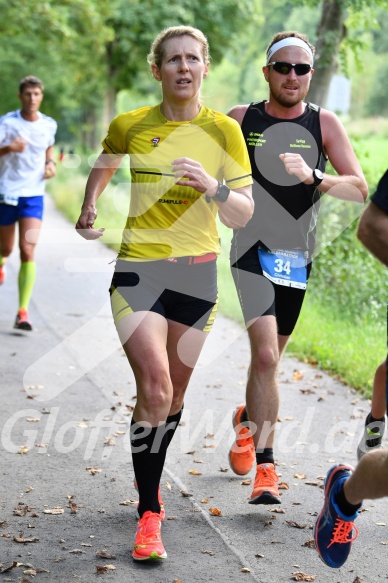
(317, 176)
(222, 193)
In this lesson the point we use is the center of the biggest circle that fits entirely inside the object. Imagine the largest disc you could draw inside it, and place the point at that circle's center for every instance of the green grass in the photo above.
(349, 350)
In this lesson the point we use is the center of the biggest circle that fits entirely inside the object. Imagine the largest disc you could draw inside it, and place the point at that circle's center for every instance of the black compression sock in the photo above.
(265, 457)
(149, 448)
(346, 508)
(244, 416)
(371, 419)
(172, 423)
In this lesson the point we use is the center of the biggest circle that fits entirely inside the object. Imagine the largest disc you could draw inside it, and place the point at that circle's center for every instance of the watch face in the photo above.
(223, 193)
(318, 174)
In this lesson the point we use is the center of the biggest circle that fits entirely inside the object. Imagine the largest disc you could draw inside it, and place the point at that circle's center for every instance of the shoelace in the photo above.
(148, 528)
(266, 477)
(342, 531)
(244, 439)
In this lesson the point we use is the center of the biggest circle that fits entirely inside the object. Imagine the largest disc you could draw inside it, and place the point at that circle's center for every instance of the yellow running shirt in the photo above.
(167, 220)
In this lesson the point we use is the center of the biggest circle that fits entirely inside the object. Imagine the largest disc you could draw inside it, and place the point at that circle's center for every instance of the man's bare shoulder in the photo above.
(237, 112)
(329, 118)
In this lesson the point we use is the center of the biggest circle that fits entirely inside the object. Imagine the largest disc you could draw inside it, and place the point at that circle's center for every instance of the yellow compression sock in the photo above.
(26, 281)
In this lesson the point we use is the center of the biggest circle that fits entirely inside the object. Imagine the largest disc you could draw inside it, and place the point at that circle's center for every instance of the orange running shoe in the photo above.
(265, 489)
(2, 274)
(162, 509)
(148, 541)
(22, 322)
(242, 454)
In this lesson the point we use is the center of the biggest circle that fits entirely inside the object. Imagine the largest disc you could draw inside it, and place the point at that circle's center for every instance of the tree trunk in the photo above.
(331, 32)
(109, 110)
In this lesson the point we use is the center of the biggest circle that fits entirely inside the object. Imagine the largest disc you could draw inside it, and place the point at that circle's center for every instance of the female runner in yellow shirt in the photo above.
(188, 163)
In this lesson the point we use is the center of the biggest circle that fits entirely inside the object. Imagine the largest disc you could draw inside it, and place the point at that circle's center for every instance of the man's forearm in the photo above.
(373, 232)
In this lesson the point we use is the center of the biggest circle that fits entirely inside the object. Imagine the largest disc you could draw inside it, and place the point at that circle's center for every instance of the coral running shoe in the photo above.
(162, 513)
(242, 455)
(265, 489)
(148, 541)
(3, 274)
(22, 322)
(333, 531)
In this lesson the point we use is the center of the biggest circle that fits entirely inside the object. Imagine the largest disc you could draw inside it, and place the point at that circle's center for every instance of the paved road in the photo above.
(67, 393)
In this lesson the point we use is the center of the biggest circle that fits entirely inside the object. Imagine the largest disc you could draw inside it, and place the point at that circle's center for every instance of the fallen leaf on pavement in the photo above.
(128, 502)
(298, 576)
(24, 449)
(109, 441)
(215, 511)
(168, 486)
(245, 570)
(13, 566)
(104, 568)
(77, 552)
(56, 510)
(185, 494)
(104, 554)
(73, 508)
(21, 539)
(297, 375)
(195, 473)
(246, 482)
(283, 486)
(22, 509)
(295, 525)
(223, 470)
(208, 552)
(300, 476)
(93, 471)
(309, 543)
(277, 510)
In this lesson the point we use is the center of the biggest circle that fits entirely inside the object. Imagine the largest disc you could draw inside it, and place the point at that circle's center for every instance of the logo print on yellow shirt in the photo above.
(155, 141)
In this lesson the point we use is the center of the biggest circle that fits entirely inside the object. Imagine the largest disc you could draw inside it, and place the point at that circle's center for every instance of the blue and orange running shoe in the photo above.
(334, 532)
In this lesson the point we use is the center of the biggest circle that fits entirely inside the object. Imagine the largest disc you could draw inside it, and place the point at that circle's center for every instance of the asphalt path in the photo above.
(67, 501)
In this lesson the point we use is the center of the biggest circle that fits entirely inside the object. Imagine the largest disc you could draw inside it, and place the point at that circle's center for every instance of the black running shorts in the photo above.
(180, 292)
(260, 297)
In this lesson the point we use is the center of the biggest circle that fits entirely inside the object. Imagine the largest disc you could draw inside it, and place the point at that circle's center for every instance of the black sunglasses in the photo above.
(285, 68)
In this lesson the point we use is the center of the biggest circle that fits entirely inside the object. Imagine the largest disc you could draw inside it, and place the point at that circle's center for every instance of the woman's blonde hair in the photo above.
(156, 53)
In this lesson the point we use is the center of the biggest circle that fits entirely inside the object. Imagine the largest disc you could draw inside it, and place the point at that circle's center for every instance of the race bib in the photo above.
(11, 199)
(284, 267)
